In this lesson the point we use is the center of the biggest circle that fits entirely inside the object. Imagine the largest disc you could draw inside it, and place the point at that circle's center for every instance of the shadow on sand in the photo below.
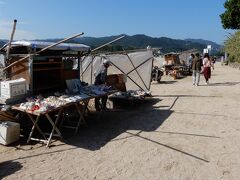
(185, 96)
(224, 84)
(9, 167)
(103, 128)
(166, 82)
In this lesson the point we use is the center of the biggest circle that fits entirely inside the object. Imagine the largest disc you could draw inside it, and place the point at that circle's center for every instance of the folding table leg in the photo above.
(33, 127)
(86, 107)
(81, 118)
(35, 123)
(54, 126)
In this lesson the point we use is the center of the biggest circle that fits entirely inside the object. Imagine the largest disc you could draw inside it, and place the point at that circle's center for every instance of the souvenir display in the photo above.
(131, 94)
(40, 104)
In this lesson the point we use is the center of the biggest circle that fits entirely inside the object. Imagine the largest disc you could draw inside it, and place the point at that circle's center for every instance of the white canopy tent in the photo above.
(43, 44)
(137, 66)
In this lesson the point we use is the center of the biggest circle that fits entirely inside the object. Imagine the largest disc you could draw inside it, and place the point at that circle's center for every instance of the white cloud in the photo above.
(6, 30)
(5, 33)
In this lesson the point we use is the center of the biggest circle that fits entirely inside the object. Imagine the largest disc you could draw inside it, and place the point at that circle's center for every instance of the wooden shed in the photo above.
(48, 70)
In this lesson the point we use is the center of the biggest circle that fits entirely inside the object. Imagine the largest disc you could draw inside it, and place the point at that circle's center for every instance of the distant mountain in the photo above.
(215, 46)
(140, 41)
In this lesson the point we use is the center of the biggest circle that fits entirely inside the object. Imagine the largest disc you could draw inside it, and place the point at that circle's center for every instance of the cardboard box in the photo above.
(120, 87)
(122, 78)
(112, 79)
(9, 132)
(13, 88)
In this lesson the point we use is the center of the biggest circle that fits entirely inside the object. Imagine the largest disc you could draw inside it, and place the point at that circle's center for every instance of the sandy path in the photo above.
(184, 132)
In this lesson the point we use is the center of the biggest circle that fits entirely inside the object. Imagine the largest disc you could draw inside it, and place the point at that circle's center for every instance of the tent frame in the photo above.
(135, 68)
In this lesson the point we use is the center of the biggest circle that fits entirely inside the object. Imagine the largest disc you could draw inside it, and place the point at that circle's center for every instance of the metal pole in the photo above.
(107, 43)
(137, 71)
(127, 76)
(92, 69)
(78, 64)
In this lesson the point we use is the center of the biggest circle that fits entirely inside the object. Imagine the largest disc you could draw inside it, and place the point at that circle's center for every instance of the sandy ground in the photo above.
(184, 132)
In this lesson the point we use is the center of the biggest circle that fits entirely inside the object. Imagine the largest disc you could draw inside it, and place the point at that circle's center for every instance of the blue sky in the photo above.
(177, 19)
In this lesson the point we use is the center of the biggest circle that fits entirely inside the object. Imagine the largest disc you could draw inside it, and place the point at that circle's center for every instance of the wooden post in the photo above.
(10, 41)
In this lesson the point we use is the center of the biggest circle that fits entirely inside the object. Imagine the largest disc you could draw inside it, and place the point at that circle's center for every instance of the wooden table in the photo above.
(35, 116)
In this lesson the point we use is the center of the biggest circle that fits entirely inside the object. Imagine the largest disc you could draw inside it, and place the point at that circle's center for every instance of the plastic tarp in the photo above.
(60, 47)
(137, 66)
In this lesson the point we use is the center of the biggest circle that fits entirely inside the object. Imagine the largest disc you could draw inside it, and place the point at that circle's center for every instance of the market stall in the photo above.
(53, 109)
(34, 68)
(173, 65)
(134, 68)
(48, 75)
(48, 70)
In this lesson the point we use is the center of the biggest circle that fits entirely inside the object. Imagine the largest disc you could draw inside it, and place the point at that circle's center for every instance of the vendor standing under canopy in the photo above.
(100, 79)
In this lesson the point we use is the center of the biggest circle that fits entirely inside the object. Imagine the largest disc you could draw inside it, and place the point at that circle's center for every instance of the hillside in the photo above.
(140, 41)
(216, 47)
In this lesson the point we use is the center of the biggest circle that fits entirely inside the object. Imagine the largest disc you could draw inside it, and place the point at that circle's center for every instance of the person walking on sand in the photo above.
(196, 69)
(207, 64)
(189, 62)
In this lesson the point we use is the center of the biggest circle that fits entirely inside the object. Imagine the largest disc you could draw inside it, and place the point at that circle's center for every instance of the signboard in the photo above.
(209, 46)
(205, 51)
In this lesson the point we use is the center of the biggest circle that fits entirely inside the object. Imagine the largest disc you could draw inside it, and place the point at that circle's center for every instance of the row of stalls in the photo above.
(62, 78)
(49, 70)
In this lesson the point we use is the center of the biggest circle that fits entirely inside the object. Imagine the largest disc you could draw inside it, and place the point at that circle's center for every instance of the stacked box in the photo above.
(13, 88)
(9, 132)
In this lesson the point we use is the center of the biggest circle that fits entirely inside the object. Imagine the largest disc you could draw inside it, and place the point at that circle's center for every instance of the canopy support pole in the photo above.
(127, 76)
(107, 43)
(140, 65)
(137, 71)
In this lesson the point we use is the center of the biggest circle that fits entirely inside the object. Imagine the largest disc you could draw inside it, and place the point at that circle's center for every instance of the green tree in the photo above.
(232, 47)
(231, 17)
